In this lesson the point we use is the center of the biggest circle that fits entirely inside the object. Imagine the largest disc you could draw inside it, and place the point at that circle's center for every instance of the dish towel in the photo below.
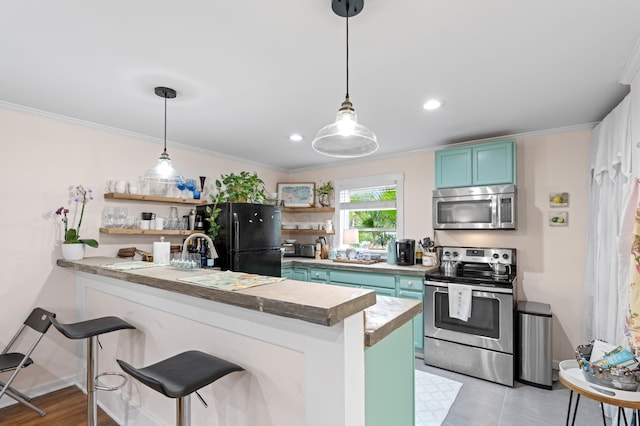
(460, 301)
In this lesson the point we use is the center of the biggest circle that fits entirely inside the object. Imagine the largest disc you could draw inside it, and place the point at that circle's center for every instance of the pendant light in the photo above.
(345, 137)
(163, 176)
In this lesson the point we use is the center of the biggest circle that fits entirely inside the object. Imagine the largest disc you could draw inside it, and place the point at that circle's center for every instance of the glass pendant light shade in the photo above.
(163, 172)
(345, 138)
(163, 177)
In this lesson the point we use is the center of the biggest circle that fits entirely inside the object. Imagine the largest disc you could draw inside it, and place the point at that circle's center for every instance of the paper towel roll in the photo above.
(161, 250)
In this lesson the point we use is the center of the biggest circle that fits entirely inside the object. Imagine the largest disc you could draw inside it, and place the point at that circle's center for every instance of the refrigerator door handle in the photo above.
(236, 232)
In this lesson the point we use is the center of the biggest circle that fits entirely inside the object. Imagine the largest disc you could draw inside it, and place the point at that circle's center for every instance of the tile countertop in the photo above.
(315, 303)
(380, 267)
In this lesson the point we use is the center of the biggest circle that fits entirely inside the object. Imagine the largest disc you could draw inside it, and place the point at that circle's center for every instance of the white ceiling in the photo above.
(249, 73)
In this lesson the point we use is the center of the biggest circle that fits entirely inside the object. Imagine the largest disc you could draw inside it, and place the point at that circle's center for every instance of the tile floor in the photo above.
(482, 403)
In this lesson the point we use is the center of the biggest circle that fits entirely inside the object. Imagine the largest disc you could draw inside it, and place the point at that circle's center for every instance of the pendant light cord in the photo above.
(347, 20)
(165, 124)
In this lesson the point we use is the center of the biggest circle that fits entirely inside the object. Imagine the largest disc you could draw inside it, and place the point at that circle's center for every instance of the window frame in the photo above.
(396, 179)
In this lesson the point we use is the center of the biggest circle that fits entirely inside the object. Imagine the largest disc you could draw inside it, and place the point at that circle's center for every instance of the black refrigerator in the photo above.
(249, 237)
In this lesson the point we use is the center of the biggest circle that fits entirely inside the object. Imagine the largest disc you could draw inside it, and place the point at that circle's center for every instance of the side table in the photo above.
(571, 376)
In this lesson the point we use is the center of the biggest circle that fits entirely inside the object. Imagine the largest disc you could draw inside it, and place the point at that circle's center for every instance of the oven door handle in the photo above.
(473, 287)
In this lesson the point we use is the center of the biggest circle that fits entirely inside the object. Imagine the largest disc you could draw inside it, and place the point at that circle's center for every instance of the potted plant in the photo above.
(324, 192)
(242, 188)
(73, 245)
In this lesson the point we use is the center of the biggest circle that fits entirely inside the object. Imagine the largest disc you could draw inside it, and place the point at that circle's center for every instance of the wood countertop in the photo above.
(311, 302)
(380, 267)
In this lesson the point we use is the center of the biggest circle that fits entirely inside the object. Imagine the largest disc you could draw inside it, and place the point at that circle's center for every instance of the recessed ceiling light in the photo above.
(295, 137)
(432, 104)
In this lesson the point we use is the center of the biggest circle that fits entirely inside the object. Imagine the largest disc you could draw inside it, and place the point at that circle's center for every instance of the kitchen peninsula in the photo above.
(307, 348)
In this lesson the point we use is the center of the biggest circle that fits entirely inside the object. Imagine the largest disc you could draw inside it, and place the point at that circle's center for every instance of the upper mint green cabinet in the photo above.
(492, 163)
(453, 167)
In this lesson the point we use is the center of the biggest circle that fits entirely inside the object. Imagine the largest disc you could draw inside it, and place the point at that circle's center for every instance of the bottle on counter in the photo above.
(203, 252)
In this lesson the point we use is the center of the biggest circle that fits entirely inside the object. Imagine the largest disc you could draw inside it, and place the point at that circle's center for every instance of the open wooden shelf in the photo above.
(125, 231)
(308, 231)
(308, 209)
(118, 196)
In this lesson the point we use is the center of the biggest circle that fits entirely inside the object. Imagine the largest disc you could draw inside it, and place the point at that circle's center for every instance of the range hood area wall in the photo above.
(551, 260)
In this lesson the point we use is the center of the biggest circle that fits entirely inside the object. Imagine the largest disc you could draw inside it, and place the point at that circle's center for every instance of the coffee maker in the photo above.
(405, 252)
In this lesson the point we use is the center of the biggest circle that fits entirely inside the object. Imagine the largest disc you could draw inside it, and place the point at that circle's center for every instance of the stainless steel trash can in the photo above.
(535, 364)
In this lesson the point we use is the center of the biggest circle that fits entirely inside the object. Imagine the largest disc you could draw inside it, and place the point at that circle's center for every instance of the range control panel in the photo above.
(479, 254)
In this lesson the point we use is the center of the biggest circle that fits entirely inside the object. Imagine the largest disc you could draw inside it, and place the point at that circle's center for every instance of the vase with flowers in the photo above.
(73, 245)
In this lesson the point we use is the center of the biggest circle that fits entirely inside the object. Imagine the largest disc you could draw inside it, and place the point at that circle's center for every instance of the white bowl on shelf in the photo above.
(290, 241)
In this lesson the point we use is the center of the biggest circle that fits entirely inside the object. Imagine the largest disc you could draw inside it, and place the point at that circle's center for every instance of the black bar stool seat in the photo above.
(90, 330)
(181, 375)
(92, 327)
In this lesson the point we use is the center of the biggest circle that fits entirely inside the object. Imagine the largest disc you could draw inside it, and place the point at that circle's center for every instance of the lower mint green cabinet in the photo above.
(286, 272)
(318, 275)
(363, 278)
(418, 320)
(381, 291)
(384, 284)
(300, 274)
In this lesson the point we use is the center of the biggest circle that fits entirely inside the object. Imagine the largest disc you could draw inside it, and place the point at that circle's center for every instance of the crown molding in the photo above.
(631, 66)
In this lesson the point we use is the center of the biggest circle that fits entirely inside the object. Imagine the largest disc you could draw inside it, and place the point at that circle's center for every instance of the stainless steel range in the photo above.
(483, 345)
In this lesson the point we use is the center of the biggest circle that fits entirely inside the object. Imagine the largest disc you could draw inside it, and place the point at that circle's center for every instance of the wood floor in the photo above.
(66, 407)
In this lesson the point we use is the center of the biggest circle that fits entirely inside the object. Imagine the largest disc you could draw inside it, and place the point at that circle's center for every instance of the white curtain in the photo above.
(612, 206)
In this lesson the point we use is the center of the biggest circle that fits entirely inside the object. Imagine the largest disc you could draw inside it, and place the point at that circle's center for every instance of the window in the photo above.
(373, 206)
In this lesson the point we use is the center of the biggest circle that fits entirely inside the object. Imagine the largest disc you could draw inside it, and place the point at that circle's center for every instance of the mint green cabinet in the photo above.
(389, 379)
(412, 287)
(300, 274)
(492, 163)
(384, 284)
(286, 272)
(453, 167)
(368, 279)
(318, 275)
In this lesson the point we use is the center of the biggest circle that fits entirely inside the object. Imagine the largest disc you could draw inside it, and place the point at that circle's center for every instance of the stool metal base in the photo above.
(183, 411)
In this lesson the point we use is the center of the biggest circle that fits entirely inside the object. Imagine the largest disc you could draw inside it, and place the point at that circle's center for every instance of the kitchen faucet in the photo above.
(214, 253)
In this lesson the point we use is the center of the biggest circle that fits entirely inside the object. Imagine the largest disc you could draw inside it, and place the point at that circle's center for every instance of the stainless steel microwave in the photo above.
(475, 207)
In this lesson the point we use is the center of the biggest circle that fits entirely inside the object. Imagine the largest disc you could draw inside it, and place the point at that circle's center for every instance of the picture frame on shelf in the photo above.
(558, 199)
(297, 194)
(558, 218)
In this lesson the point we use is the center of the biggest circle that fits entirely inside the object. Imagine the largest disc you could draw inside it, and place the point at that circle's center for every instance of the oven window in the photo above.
(484, 320)
(476, 211)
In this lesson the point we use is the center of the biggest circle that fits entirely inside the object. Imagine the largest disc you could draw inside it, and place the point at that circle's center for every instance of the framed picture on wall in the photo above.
(558, 218)
(559, 199)
(297, 194)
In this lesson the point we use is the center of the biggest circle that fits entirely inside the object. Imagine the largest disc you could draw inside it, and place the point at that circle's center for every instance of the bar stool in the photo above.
(90, 330)
(180, 376)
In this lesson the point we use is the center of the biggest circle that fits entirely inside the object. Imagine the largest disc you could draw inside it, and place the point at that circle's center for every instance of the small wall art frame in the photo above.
(558, 218)
(297, 194)
(559, 199)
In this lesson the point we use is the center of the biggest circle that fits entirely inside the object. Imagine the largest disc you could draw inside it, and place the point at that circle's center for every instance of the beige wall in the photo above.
(551, 260)
(42, 157)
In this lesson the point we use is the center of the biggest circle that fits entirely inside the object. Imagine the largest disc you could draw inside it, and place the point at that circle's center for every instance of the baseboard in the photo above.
(40, 390)
(133, 413)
